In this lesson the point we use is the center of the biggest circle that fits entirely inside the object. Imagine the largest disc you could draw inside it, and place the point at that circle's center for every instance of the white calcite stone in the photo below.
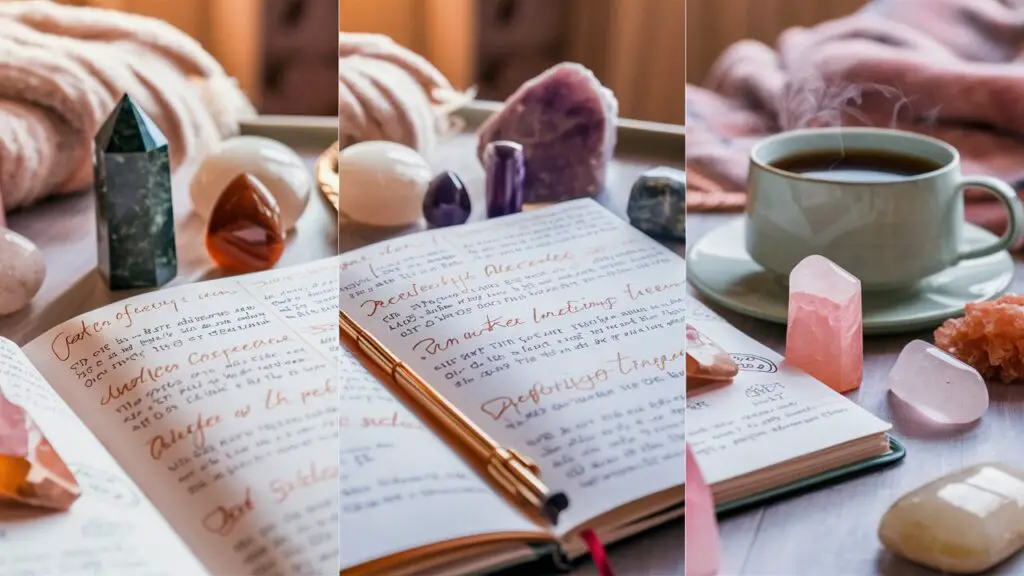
(22, 270)
(938, 385)
(963, 523)
(277, 166)
(382, 183)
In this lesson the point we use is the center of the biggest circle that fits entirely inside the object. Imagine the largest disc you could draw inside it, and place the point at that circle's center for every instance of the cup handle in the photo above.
(1014, 211)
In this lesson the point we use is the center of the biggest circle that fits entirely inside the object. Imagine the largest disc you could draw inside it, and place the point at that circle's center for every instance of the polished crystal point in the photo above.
(446, 202)
(962, 523)
(244, 233)
(703, 549)
(824, 330)
(505, 166)
(31, 472)
(938, 385)
(566, 122)
(134, 213)
(657, 203)
(706, 362)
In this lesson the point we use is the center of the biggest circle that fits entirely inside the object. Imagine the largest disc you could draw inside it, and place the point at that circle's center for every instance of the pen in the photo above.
(513, 471)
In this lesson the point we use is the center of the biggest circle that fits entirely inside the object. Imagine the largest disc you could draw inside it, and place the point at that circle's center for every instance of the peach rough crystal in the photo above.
(706, 362)
(989, 337)
(31, 472)
(824, 335)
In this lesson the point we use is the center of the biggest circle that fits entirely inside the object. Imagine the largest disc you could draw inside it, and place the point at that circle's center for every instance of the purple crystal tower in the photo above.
(505, 164)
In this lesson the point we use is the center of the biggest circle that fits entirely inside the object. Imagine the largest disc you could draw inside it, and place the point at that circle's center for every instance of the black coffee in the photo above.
(856, 166)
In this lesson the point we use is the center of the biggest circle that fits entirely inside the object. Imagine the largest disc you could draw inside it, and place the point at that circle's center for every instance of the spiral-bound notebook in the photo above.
(558, 332)
(773, 429)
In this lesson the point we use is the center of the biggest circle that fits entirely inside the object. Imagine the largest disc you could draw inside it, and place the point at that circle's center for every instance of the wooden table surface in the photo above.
(833, 531)
(655, 553)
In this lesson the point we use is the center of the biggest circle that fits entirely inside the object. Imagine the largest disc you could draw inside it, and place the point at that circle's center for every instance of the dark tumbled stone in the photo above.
(446, 202)
(657, 203)
(134, 214)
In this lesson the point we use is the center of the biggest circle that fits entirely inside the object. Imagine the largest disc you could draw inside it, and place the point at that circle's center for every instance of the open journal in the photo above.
(773, 425)
(201, 423)
(559, 332)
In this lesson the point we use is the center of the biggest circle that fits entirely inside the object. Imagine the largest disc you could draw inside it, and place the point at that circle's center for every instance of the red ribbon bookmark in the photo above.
(597, 553)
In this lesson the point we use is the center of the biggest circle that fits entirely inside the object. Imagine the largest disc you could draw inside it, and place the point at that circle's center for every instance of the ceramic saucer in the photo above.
(719, 267)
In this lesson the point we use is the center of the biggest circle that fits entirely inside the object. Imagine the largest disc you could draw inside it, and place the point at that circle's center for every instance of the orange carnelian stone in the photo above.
(244, 233)
(989, 337)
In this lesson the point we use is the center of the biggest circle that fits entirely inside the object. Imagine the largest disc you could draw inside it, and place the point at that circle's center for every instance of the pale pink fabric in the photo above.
(953, 69)
(62, 70)
(703, 549)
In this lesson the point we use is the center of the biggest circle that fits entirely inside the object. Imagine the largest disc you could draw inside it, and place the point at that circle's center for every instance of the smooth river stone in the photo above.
(824, 332)
(566, 122)
(657, 203)
(963, 523)
(277, 166)
(22, 270)
(382, 184)
(938, 385)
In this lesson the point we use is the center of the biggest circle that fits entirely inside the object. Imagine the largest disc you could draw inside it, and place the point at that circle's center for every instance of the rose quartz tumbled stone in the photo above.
(938, 385)
(824, 335)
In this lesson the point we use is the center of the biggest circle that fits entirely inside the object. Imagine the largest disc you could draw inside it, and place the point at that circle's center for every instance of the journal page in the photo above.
(401, 486)
(560, 332)
(112, 529)
(770, 413)
(220, 400)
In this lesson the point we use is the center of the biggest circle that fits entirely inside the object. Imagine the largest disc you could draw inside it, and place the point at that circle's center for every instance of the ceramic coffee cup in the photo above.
(889, 234)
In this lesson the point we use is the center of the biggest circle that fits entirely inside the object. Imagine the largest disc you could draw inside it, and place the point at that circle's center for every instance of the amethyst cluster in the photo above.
(565, 121)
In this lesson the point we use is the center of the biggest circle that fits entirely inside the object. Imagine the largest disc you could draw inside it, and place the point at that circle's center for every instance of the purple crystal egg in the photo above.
(447, 201)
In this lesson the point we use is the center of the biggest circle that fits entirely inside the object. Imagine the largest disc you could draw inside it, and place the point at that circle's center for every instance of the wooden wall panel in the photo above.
(712, 25)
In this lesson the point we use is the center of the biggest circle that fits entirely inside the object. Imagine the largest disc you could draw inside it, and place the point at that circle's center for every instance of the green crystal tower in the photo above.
(134, 214)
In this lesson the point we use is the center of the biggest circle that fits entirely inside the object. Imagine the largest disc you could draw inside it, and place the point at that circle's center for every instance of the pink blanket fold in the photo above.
(953, 69)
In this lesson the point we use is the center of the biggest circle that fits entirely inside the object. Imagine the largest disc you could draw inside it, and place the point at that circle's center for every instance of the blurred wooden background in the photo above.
(636, 47)
(712, 25)
(283, 52)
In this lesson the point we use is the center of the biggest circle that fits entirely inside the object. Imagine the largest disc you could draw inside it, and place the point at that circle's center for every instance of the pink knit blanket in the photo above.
(953, 69)
(62, 70)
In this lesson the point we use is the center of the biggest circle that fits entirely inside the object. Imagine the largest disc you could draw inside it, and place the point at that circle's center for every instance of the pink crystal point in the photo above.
(703, 551)
(938, 385)
(824, 335)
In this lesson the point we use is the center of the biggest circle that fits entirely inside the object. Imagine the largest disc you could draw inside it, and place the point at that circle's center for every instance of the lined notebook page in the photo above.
(771, 412)
(559, 331)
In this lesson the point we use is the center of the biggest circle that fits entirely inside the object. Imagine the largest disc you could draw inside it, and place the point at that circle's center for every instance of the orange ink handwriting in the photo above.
(626, 365)
(146, 375)
(305, 478)
(62, 342)
(637, 293)
(573, 307)
(223, 519)
(496, 269)
(197, 358)
(497, 407)
(161, 443)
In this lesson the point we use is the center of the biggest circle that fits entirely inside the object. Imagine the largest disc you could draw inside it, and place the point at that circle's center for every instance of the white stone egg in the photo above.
(277, 166)
(22, 270)
(382, 183)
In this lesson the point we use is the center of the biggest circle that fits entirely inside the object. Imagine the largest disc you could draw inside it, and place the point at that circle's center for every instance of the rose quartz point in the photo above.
(824, 335)
(703, 550)
(938, 385)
